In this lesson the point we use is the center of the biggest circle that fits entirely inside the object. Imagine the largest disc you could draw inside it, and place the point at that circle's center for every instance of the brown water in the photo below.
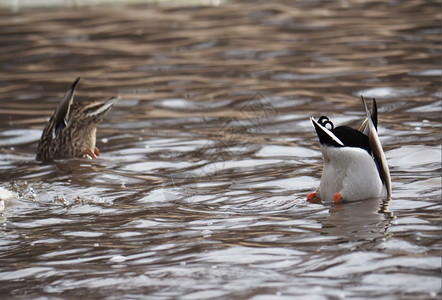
(209, 155)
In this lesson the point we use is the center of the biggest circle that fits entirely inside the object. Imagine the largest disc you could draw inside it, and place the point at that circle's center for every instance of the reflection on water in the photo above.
(363, 220)
(209, 155)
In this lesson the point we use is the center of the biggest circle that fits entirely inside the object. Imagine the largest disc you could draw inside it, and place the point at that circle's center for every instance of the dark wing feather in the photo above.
(59, 120)
(374, 114)
(352, 138)
(342, 136)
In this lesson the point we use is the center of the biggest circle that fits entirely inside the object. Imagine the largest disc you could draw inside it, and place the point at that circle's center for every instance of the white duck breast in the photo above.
(351, 172)
(355, 167)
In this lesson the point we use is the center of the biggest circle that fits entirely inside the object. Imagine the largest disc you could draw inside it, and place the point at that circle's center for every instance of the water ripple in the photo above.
(209, 155)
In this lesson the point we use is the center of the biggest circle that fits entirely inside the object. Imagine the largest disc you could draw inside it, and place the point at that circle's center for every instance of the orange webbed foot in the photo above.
(313, 197)
(96, 152)
(89, 153)
(337, 198)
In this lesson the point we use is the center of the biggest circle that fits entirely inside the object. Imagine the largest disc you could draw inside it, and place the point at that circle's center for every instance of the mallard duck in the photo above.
(355, 167)
(71, 131)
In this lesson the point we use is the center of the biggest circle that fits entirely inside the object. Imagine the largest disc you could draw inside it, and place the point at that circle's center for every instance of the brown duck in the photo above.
(71, 130)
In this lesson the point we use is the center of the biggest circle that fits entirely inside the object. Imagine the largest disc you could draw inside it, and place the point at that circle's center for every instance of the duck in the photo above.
(71, 130)
(355, 167)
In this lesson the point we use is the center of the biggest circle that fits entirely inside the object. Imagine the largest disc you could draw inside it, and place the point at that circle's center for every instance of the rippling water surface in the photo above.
(209, 155)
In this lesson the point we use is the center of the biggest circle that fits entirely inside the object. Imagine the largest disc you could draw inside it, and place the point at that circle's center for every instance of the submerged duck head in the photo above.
(355, 167)
(71, 130)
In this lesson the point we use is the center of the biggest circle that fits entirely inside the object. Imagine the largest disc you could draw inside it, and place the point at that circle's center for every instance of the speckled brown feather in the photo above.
(72, 129)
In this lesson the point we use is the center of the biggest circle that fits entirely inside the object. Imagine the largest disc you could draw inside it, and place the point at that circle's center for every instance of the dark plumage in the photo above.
(348, 136)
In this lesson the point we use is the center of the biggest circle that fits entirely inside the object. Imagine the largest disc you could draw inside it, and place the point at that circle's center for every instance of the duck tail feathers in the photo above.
(375, 144)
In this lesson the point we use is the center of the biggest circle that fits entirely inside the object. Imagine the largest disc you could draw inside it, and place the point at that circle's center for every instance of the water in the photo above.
(209, 155)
